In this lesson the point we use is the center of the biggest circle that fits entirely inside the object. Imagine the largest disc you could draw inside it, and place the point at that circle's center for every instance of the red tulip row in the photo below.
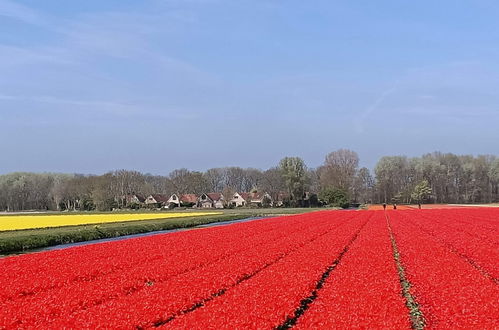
(272, 296)
(166, 300)
(87, 263)
(78, 299)
(469, 240)
(364, 291)
(331, 269)
(478, 222)
(451, 292)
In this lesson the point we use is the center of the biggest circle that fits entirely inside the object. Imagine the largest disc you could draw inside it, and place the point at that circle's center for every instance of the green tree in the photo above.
(294, 172)
(334, 197)
(421, 192)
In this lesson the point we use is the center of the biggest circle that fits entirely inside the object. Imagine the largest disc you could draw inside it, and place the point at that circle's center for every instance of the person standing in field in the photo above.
(384, 206)
(394, 206)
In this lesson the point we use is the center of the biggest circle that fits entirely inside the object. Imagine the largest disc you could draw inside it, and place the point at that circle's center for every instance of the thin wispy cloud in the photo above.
(7, 97)
(90, 105)
(12, 56)
(14, 10)
(362, 119)
(334, 73)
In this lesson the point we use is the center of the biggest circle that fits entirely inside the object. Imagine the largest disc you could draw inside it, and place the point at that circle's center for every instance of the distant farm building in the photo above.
(251, 199)
(260, 199)
(173, 201)
(239, 199)
(157, 200)
(188, 200)
(211, 200)
(134, 199)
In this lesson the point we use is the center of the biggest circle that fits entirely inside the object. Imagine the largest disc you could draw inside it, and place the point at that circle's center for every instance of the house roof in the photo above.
(189, 198)
(208, 198)
(215, 196)
(160, 198)
(176, 199)
(139, 197)
(258, 195)
(254, 196)
(246, 196)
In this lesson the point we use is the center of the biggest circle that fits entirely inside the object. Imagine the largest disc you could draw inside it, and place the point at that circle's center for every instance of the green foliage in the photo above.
(397, 198)
(314, 200)
(106, 205)
(294, 173)
(421, 192)
(334, 197)
(87, 204)
(134, 206)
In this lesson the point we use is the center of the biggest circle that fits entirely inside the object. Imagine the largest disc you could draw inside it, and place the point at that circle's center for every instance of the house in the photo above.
(173, 201)
(134, 199)
(218, 200)
(282, 199)
(260, 199)
(239, 199)
(255, 199)
(188, 200)
(211, 200)
(156, 199)
(205, 202)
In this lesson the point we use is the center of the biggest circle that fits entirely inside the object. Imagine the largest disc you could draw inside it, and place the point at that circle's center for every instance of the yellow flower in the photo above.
(15, 222)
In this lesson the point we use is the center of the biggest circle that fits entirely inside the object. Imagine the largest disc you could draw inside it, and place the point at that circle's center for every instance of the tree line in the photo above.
(444, 177)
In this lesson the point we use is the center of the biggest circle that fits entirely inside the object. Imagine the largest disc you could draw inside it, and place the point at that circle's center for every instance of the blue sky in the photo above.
(91, 86)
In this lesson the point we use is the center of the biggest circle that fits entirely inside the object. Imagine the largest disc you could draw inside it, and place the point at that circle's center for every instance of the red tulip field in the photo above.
(398, 269)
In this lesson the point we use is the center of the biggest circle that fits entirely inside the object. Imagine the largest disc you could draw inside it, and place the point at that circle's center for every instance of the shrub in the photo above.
(334, 197)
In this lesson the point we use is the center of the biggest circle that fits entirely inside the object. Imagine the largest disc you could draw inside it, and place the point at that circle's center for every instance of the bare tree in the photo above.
(363, 186)
(272, 182)
(215, 179)
(339, 169)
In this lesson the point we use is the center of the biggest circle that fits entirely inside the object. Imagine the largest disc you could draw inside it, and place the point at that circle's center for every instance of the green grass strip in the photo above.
(21, 240)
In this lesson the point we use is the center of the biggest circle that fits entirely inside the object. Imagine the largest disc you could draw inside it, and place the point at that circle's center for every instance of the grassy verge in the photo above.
(22, 240)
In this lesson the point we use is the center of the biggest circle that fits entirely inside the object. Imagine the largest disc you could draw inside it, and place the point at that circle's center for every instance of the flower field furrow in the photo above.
(95, 261)
(273, 295)
(451, 293)
(480, 252)
(364, 291)
(75, 297)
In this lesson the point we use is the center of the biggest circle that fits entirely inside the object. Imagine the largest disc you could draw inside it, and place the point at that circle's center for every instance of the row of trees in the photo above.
(436, 177)
(451, 178)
